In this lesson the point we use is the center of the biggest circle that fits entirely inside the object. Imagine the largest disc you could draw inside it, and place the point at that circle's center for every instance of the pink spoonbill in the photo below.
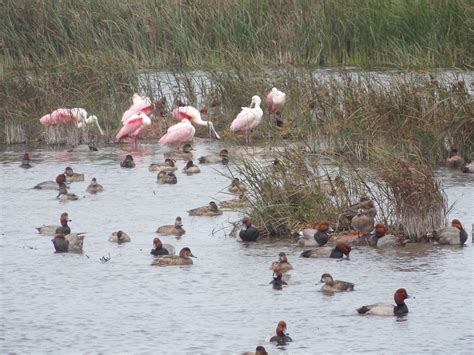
(74, 116)
(179, 133)
(133, 126)
(139, 104)
(191, 113)
(248, 118)
(275, 101)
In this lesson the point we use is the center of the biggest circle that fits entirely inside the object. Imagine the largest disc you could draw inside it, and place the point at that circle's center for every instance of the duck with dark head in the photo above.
(128, 162)
(119, 237)
(61, 244)
(281, 336)
(94, 187)
(190, 168)
(64, 195)
(277, 282)
(158, 249)
(25, 161)
(248, 233)
(386, 309)
(341, 250)
(71, 176)
(51, 229)
(176, 229)
(451, 235)
(164, 177)
(331, 285)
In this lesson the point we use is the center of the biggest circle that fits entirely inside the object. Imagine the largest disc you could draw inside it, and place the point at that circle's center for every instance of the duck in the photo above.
(277, 282)
(331, 285)
(94, 187)
(259, 350)
(385, 309)
(185, 154)
(164, 177)
(321, 236)
(71, 176)
(83, 148)
(60, 243)
(236, 187)
(454, 159)
(76, 242)
(167, 166)
(119, 237)
(240, 202)
(340, 250)
(365, 204)
(52, 185)
(25, 161)
(282, 264)
(51, 229)
(451, 235)
(64, 243)
(184, 258)
(63, 195)
(190, 168)
(381, 239)
(210, 210)
(160, 249)
(221, 158)
(362, 223)
(248, 233)
(314, 238)
(281, 336)
(128, 162)
(176, 229)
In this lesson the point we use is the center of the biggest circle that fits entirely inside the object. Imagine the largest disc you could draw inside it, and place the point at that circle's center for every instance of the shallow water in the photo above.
(223, 303)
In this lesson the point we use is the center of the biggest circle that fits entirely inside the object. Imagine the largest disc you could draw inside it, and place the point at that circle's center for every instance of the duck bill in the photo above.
(192, 256)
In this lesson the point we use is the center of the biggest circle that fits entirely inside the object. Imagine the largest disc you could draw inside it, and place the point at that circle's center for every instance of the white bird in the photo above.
(248, 118)
(193, 114)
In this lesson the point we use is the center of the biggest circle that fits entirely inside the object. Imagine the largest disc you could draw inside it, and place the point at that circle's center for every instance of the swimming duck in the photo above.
(190, 168)
(314, 237)
(277, 283)
(222, 158)
(164, 177)
(76, 242)
(185, 154)
(453, 235)
(94, 187)
(184, 258)
(161, 249)
(71, 176)
(128, 162)
(259, 350)
(282, 264)
(25, 161)
(384, 309)
(177, 229)
(331, 285)
(119, 237)
(454, 159)
(281, 336)
(51, 229)
(380, 239)
(321, 236)
(61, 244)
(83, 148)
(64, 243)
(237, 187)
(167, 166)
(362, 223)
(63, 195)
(340, 250)
(240, 202)
(210, 210)
(248, 233)
(52, 185)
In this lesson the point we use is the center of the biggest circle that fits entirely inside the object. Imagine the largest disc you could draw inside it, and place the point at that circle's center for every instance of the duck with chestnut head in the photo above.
(380, 239)
(94, 187)
(281, 336)
(52, 185)
(277, 282)
(331, 285)
(259, 350)
(184, 258)
(71, 176)
(128, 162)
(386, 309)
(451, 235)
(160, 249)
(164, 177)
(176, 229)
(248, 233)
(190, 168)
(210, 210)
(341, 250)
(168, 165)
(51, 229)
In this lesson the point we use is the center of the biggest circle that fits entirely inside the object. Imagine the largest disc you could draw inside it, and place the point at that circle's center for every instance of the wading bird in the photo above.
(74, 116)
(192, 114)
(248, 118)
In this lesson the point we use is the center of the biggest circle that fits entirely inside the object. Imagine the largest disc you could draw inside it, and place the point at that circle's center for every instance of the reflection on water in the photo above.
(221, 304)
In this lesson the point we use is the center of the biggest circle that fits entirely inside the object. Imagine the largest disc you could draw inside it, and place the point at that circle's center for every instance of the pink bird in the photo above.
(275, 100)
(179, 133)
(191, 113)
(74, 116)
(248, 118)
(133, 126)
(139, 104)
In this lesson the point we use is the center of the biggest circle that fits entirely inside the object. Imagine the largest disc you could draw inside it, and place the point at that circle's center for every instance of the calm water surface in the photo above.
(223, 303)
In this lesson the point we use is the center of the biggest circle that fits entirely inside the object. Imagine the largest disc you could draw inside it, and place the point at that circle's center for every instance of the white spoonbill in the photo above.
(248, 118)
(275, 100)
(178, 133)
(193, 114)
(73, 116)
(133, 126)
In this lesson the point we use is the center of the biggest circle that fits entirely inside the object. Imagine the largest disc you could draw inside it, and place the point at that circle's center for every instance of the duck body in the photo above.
(176, 229)
(184, 258)
(67, 196)
(74, 177)
(128, 162)
(210, 211)
(385, 309)
(450, 236)
(237, 187)
(240, 202)
(362, 223)
(179, 155)
(167, 165)
(166, 178)
(190, 168)
(468, 168)
(94, 187)
(71, 243)
(249, 234)
(51, 229)
(277, 282)
(25, 164)
(47, 185)
(331, 285)
(119, 237)
(282, 266)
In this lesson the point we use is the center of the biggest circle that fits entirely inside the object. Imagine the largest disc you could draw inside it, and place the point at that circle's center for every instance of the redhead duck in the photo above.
(236, 187)
(94, 187)
(167, 166)
(61, 244)
(64, 243)
(321, 236)
(453, 235)
(259, 350)
(185, 154)
(25, 161)
(210, 210)
(160, 249)
(166, 178)
(385, 309)
(281, 336)
(222, 158)
(51, 229)
(454, 159)
(277, 283)
(362, 223)
(380, 239)
(128, 162)
(331, 285)
(176, 230)
(312, 237)
(119, 237)
(63, 195)
(184, 258)
(340, 250)
(282, 264)
(248, 233)
(240, 202)
(52, 185)
(190, 168)
(71, 176)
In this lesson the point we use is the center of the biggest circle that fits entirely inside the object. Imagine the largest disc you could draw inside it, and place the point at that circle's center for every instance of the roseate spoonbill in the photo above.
(179, 133)
(133, 126)
(193, 114)
(248, 118)
(77, 116)
(275, 100)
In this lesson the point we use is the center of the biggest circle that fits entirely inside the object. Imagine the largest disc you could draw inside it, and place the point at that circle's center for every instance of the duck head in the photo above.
(59, 233)
(344, 248)
(283, 258)
(61, 179)
(64, 219)
(281, 330)
(246, 221)
(457, 224)
(169, 162)
(26, 157)
(186, 253)
(223, 153)
(213, 207)
(323, 226)
(260, 350)
(94, 181)
(189, 164)
(119, 235)
(128, 158)
(157, 243)
(187, 148)
(400, 296)
(327, 279)
(68, 171)
(178, 223)
(380, 230)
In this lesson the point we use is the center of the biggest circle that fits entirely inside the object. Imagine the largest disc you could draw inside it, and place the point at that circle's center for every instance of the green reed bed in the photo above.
(401, 33)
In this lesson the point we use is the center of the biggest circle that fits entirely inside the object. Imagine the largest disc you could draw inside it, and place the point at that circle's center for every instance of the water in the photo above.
(223, 303)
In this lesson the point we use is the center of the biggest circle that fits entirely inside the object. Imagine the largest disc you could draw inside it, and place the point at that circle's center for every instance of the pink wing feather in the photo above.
(131, 128)
(144, 107)
(61, 115)
(244, 121)
(178, 133)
